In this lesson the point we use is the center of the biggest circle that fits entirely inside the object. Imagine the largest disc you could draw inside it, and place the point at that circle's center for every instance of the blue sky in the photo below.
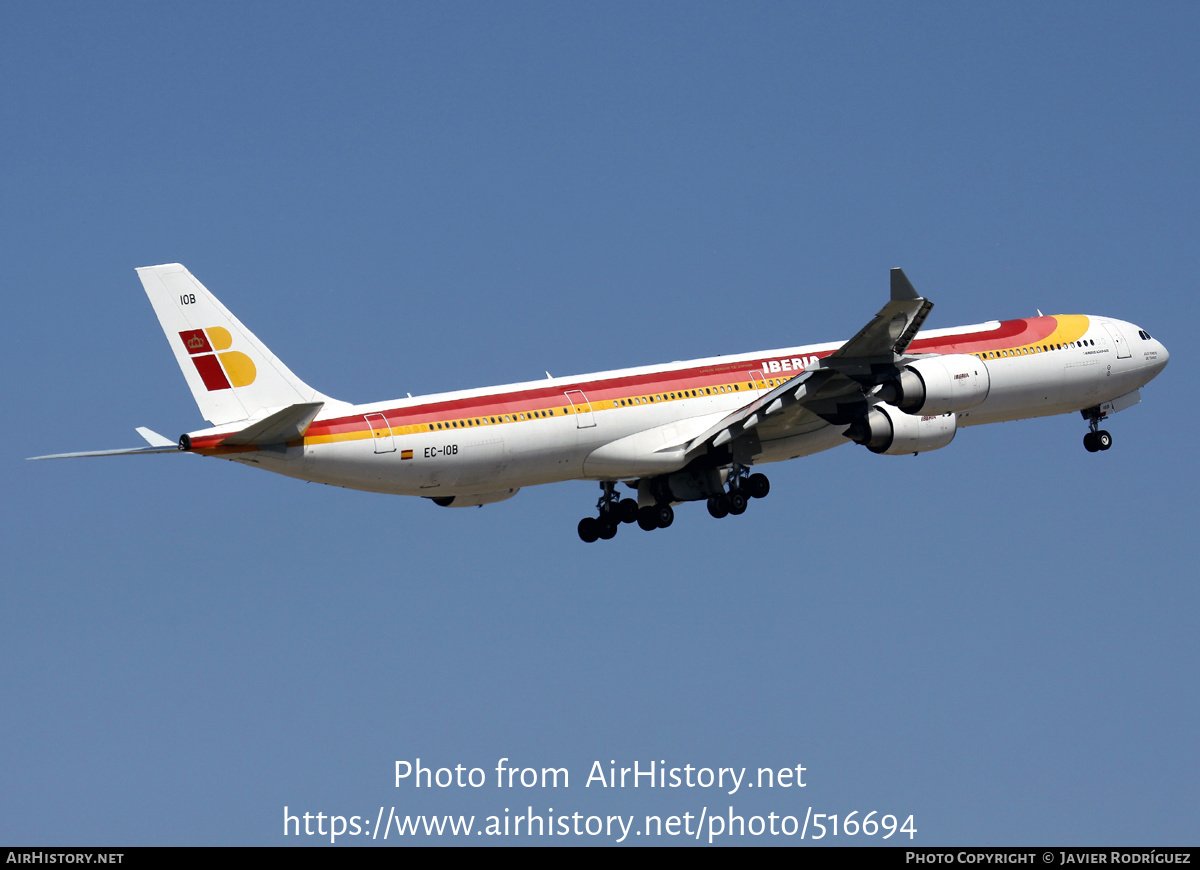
(997, 638)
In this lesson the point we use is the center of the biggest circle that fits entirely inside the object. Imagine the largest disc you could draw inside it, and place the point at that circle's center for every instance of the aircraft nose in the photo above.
(1157, 360)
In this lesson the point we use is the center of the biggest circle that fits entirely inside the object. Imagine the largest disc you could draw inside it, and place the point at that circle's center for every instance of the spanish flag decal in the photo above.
(219, 367)
(406, 454)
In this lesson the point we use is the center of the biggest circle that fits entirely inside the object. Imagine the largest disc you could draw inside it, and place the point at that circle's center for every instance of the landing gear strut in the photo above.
(1096, 438)
(743, 486)
(613, 510)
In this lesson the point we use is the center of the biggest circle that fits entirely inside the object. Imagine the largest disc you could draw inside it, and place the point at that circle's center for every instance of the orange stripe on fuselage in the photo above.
(416, 419)
(1059, 329)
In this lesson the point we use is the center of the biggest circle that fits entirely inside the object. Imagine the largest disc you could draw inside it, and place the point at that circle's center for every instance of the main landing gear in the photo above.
(657, 516)
(742, 488)
(1096, 439)
(613, 511)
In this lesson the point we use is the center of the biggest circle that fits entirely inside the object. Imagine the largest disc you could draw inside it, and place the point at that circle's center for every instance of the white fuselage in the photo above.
(615, 425)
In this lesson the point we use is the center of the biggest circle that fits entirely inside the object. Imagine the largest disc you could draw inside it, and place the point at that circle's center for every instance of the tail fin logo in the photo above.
(219, 367)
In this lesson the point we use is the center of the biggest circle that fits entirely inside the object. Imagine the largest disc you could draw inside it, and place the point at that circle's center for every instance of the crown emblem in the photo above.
(195, 343)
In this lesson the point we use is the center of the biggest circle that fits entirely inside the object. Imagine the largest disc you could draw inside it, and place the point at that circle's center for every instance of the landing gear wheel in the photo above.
(647, 519)
(718, 506)
(589, 529)
(758, 486)
(608, 527)
(1103, 440)
(665, 514)
(737, 502)
(627, 510)
(1089, 442)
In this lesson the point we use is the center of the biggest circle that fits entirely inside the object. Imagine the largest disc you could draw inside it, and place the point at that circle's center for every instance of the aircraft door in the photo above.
(381, 432)
(584, 418)
(760, 382)
(1118, 340)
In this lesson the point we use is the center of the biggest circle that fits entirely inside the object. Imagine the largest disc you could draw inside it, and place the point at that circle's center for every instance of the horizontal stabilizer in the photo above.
(173, 448)
(284, 425)
(158, 444)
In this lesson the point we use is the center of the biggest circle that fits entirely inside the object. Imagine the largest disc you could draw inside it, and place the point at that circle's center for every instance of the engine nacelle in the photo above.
(939, 385)
(889, 430)
(475, 500)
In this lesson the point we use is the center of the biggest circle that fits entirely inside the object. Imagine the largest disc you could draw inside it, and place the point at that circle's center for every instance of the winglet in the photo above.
(902, 288)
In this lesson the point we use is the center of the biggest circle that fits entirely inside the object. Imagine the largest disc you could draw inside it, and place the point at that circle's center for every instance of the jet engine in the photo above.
(939, 385)
(889, 430)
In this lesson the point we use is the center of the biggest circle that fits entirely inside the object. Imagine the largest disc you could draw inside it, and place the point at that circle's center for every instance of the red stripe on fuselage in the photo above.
(650, 383)
(1010, 333)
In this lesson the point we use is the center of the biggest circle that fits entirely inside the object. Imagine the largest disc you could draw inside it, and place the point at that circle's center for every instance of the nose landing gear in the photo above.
(1096, 439)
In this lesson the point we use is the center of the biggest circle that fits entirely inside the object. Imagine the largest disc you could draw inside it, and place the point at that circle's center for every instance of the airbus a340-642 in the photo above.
(685, 431)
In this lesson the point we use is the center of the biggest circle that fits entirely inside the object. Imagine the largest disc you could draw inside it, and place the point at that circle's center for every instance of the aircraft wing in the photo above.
(892, 330)
(830, 391)
(788, 395)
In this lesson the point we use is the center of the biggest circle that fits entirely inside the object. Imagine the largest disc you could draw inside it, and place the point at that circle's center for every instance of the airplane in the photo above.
(674, 433)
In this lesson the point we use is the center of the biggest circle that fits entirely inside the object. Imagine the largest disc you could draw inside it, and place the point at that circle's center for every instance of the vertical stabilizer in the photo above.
(232, 375)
